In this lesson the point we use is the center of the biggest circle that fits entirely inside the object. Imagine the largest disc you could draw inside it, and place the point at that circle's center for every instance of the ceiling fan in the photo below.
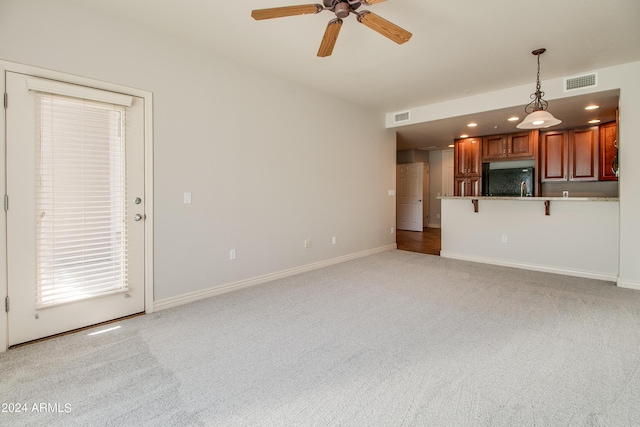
(342, 9)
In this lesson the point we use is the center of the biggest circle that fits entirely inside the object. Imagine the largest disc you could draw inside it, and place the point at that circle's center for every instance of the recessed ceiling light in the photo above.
(472, 125)
(591, 107)
(451, 145)
(594, 121)
(513, 119)
(464, 136)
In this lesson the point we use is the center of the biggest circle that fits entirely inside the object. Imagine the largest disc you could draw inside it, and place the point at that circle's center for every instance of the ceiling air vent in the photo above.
(580, 82)
(401, 117)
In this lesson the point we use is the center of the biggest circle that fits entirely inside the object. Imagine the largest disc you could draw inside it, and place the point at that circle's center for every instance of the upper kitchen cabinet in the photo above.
(569, 155)
(467, 157)
(608, 151)
(584, 154)
(515, 146)
(554, 150)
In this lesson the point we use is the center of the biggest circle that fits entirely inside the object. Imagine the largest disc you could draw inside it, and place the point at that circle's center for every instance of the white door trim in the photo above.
(148, 145)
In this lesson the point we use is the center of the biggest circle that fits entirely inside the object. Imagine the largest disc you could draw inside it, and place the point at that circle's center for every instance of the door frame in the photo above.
(148, 176)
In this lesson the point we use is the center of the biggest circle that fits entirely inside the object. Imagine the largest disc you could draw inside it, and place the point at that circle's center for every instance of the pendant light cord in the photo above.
(538, 103)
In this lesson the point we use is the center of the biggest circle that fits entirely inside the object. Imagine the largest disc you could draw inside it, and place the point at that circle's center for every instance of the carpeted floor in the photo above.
(394, 339)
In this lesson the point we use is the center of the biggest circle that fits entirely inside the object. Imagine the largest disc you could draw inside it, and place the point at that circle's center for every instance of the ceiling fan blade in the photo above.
(330, 37)
(370, 2)
(279, 12)
(384, 27)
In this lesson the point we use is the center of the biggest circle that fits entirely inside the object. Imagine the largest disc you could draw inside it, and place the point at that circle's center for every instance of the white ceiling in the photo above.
(458, 47)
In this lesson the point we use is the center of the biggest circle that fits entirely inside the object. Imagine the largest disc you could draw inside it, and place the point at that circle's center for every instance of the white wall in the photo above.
(623, 77)
(264, 170)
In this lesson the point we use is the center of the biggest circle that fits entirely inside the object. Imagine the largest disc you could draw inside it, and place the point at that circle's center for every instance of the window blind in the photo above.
(81, 228)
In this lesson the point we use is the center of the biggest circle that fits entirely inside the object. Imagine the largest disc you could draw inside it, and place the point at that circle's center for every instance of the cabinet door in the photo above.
(521, 145)
(468, 186)
(459, 186)
(459, 158)
(474, 156)
(583, 154)
(474, 186)
(608, 151)
(494, 148)
(554, 152)
(468, 157)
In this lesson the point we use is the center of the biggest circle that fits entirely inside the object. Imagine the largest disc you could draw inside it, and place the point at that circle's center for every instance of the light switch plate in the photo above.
(187, 198)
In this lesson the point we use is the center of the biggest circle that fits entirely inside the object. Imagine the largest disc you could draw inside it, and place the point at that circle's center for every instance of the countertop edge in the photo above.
(564, 199)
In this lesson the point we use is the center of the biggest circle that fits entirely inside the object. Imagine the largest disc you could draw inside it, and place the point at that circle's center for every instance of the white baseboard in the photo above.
(543, 268)
(628, 285)
(253, 281)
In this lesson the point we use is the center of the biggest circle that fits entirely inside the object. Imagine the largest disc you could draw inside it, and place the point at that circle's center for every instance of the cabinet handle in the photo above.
(509, 150)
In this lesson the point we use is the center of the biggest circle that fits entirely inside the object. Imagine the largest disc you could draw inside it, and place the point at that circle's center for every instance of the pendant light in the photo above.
(537, 116)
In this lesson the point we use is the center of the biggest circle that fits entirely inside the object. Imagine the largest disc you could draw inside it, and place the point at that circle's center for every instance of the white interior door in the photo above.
(425, 195)
(409, 196)
(447, 173)
(75, 186)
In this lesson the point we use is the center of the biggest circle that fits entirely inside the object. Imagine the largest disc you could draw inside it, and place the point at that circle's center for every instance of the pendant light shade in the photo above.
(538, 117)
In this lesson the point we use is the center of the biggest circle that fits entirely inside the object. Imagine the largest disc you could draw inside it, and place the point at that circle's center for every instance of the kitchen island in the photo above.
(577, 236)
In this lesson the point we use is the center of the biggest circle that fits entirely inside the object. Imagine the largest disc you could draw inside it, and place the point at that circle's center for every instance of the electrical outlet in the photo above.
(307, 243)
(187, 198)
(232, 254)
(391, 230)
(334, 240)
(504, 238)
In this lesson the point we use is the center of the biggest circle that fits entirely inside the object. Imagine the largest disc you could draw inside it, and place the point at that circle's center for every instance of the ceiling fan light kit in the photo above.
(537, 116)
(342, 9)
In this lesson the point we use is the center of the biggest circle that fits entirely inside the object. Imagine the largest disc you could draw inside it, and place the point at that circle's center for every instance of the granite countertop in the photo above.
(568, 199)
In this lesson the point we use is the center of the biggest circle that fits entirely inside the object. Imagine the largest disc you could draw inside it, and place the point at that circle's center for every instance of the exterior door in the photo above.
(409, 178)
(75, 186)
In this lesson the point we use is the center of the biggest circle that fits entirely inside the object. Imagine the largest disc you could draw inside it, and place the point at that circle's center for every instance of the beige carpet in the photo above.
(394, 339)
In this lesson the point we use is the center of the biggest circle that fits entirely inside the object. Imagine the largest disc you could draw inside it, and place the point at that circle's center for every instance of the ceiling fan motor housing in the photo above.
(342, 8)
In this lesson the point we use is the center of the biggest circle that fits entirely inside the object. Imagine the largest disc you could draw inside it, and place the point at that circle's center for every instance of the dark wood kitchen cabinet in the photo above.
(467, 186)
(468, 156)
(468, 167)
(554, 149)
(515, 146)
(584, 154)
(608, 151)
(569, 155)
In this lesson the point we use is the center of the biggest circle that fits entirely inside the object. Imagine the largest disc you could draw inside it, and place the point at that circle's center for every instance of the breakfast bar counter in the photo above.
(577, 236)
